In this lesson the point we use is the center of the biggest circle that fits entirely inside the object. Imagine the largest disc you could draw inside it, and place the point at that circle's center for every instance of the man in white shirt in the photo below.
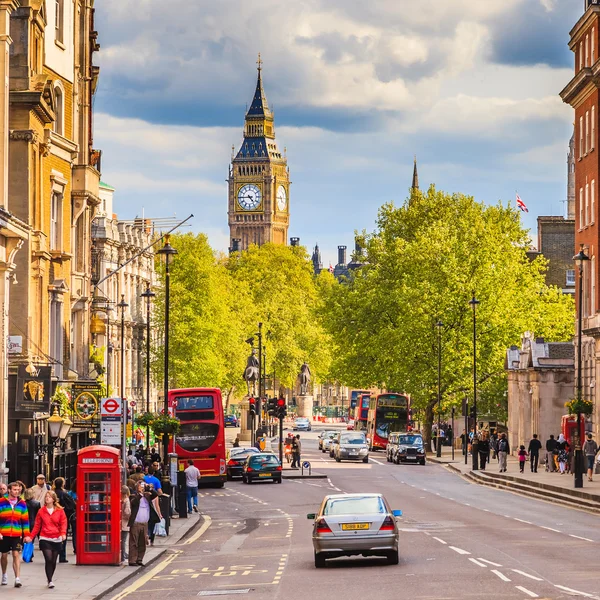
(39, 490)
(192, 476)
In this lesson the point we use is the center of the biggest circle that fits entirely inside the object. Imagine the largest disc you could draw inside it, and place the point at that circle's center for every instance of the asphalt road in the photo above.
(458, 540)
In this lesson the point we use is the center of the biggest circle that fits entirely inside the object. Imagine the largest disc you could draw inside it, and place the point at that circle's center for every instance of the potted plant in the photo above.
(145, 419)
(165, 424)
(575, 406)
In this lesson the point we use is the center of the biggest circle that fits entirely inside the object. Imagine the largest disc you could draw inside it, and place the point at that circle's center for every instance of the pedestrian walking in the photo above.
(503, 451)
(296, 452)
(14, 530)
(33, 506)
(192, 478)
(51, 525)
(3, 489)
(236, 442)
(522, 453)
(534, 452)
(143, 515)
(73, 495)
(68, 505)
(563, 453)
(463, 441)
(40, 489)
(483, 447)
(153, 480)
(550, 452)
(590, 449)
(125, 514)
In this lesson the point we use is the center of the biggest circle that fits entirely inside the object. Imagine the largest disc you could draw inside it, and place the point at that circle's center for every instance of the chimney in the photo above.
(341, 255)
(295, 241)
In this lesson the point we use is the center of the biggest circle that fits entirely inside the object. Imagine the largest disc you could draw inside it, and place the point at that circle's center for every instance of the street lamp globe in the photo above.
(65, 427)
(54, 424)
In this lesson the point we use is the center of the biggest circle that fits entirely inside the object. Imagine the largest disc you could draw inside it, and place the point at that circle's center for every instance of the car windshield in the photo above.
(269, 459)
(411, 440)
(238, 451)
(245, 453)
(356, 438)
(364, 505)
(301, 420)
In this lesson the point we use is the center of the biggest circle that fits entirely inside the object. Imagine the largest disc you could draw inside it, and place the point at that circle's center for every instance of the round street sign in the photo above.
(306, 464)
(132, 403)
(110, 407)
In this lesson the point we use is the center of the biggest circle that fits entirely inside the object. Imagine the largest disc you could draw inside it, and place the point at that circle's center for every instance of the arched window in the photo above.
(59, 110)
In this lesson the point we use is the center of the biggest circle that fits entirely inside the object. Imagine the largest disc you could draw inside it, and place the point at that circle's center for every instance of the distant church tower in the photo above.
(259, 182)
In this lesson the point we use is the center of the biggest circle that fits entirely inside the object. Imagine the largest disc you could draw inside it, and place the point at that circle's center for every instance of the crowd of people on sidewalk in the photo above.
(559, 454)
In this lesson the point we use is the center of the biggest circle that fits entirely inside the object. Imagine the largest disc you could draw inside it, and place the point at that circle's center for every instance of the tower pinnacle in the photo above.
(415, 180)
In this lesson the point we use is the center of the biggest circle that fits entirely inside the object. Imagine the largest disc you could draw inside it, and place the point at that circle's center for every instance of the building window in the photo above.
(60, 20)
(580, 52)
(570, 277)
(587, 50)
(593, 202)
(593, 42)
(59, 110)
(593, 134)
(580, 208)
(593, 285)
(587, 131)
(580, 137)
(56, 206)
(56, 335)
(587, 204)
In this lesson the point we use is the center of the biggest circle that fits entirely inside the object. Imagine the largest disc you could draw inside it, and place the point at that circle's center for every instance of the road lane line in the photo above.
(479, 564)
(489, 562)
(550, 529)
(459, 550)
(527, 575)
(375, 461)
(526, 591)
(578, 537)
(572, 591)
(523, 521)
(200, 532)
(501, 575)
(440, 541)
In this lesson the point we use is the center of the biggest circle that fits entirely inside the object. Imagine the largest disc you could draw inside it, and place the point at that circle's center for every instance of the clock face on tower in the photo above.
(281, 198)
(249, 197)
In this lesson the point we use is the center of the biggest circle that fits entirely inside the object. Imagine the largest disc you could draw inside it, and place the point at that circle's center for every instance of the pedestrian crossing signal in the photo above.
(281, 408)
(272, 407)
(252, 407)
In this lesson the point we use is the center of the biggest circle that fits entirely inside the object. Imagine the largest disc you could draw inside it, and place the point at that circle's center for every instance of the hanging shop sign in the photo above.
(33, 389)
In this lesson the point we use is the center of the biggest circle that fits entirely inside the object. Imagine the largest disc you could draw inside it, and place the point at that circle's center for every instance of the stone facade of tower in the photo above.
(259, 181)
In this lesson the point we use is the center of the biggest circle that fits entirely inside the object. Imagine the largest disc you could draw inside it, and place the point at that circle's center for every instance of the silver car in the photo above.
(355, 524)
(351, 445)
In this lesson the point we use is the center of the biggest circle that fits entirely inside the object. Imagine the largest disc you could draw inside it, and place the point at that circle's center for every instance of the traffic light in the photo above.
(252, 407)
(472, 412)
(281, 408)
(272, 407)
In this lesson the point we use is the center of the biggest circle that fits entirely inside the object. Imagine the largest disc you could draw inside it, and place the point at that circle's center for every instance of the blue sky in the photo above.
(358, 88)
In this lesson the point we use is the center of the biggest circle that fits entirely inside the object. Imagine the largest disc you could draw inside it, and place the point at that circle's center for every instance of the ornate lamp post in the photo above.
(438, 445)
(167, 251)
(148, 295)
(580, 258)
(122, 306)
(474, 302)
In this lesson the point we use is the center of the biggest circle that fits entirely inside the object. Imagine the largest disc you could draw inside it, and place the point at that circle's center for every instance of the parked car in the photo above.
(328, 442)
(405, 447)
(237, 459)
(231, 421)
(302, 424)
(262, 466)
(323, 437)
(355, 524)
(351, 445)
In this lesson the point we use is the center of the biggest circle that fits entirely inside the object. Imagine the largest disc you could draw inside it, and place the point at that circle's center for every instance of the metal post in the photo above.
(123, 305)
(260, 388)
(474, 302)
(466, 431)
(281, 440)
(438, 445)
(148, 294)
(453, 434)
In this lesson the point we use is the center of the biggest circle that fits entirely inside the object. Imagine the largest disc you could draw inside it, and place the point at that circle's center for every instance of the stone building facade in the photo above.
(540, 382)
(114, 243)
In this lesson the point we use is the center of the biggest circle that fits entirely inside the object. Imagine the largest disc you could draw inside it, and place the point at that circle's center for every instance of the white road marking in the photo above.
(501, 575)
(375, 461)
(526, 591)
(527, 575)
(467, 504)
(440, 541)
(459, 550)
(523, 521)
(572, 591)
(489, 562)
(578, 537)
(479, 564)
(550, 529)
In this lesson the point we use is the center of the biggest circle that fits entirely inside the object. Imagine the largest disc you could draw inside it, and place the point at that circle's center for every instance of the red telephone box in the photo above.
(569, 428)
(98, 537)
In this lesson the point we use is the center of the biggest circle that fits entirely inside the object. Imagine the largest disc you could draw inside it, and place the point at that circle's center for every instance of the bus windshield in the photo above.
(194, 403)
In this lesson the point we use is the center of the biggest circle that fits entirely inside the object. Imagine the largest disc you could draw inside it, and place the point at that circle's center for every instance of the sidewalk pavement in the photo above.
(87, 582)
(540, 479)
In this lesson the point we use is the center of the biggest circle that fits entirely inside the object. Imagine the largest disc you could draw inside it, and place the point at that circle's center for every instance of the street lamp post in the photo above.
(474, 302)
(438, 445)
(167, 251)
(148, 295)
(123, 305)
(580, 259)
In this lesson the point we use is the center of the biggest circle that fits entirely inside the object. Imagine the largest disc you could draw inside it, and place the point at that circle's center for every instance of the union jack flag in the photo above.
(521, 204)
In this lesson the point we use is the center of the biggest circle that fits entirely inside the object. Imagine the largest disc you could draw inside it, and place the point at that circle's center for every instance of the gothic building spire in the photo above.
(259, 106)
(415, 179)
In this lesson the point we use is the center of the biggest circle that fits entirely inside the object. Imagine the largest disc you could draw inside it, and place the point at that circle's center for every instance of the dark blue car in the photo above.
(231, 421)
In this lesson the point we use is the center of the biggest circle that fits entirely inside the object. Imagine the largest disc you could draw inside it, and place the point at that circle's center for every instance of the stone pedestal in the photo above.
(305, 406)
(245, 433)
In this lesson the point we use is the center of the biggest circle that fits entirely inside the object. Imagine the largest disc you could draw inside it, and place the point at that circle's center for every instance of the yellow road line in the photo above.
(200, 532)
(136, 585)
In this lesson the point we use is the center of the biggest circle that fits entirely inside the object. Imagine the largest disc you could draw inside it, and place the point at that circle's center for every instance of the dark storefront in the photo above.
(31, 450)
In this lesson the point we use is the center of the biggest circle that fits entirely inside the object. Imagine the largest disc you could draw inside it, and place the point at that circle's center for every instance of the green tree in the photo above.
(279, 290)
(424, 262)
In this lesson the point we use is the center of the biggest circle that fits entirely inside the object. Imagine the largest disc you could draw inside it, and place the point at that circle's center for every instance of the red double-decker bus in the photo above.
(202, 433)
(361, 412)
(387, 413)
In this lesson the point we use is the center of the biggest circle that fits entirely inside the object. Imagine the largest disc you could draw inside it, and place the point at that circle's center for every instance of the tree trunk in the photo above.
(228, 397)
(428, 424)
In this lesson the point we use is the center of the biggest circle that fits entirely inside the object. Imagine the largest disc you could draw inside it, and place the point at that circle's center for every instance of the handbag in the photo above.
(159, 529)
(28, 551)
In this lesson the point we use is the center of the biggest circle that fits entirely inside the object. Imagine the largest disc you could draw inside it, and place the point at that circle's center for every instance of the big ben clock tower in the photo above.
(259, 183)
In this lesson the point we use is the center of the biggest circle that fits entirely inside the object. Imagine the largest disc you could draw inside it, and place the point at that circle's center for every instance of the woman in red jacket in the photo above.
(51, 525)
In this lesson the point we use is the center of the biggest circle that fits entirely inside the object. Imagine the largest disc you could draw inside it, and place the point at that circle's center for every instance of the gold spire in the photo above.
(259, 62)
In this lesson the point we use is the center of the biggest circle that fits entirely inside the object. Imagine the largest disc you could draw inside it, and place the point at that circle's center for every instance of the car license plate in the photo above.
(353, 451)
(354, 526)
(411, 458)
(264, 474)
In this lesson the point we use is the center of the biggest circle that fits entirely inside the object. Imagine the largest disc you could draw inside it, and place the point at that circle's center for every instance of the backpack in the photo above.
(67, 503)
(502, 446)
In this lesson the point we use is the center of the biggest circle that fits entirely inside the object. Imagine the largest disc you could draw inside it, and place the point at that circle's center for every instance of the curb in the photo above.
(132, 573)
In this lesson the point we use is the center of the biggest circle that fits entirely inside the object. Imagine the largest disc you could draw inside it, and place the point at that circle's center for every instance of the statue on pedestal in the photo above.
(304, 378)
(251, 373)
